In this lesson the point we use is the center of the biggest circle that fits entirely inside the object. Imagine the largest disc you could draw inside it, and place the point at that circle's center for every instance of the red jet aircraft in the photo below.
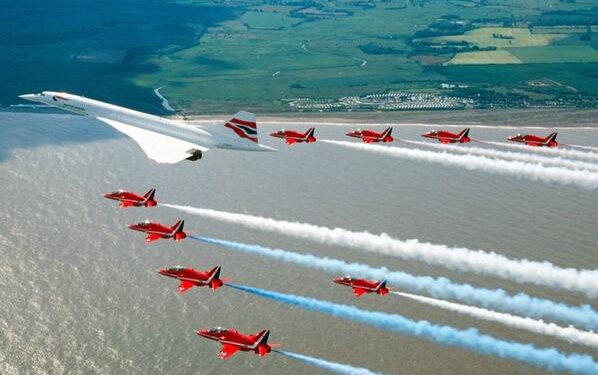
(128, 199)
(361, 286)
(190, 277)
(534, 140)
(232, 341)
(292, 136)
(369, 136)
(155, 231)
(445, 137)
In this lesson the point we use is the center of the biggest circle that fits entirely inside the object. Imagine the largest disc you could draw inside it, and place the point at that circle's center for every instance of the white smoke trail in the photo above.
(591, 148)
(519, 156)
(470, 339)
(440, 287)
(570, 334)
(582, 179)
(337, 368)
(461, 259)
(555, 151)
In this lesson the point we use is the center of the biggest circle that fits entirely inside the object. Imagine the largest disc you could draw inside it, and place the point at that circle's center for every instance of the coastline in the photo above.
(165, 102)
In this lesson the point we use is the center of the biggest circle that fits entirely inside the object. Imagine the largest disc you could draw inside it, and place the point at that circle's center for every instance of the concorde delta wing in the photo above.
(158, 147)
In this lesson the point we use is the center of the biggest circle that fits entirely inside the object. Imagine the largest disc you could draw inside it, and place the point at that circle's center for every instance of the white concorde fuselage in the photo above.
(101, 110)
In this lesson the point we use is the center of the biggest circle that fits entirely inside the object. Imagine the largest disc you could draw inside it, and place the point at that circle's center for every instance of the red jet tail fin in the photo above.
(551, 139)
(177, 231)
(214, 278)
(387, 133)
(309, 135)
(381, 289)
(463, 134)
(262, 337)
(261, 343)
(214, 273)
(150, 194)
(178, 227)
(149, 198)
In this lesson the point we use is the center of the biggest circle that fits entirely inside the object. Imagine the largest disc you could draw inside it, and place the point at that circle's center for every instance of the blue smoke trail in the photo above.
(495, 299)
(336, 368)
(549, 358)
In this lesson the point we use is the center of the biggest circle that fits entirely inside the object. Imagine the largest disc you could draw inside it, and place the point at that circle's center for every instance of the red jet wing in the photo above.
(227, 351)
(358, 292)
(185, 285)
(152, 237)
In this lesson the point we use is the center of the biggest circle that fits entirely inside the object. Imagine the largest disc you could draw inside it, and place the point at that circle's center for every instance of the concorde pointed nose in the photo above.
(266, 148)
(28, 97)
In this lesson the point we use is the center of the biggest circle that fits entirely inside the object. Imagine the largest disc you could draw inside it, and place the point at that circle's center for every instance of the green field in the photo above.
(484, 37)
(556, 54)
(219, 56)
(529, 55)
(501, 56)
(266, 20)
(315, 58)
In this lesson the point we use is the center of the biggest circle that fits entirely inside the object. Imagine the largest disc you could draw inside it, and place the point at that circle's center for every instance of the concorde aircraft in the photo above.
(163, 140)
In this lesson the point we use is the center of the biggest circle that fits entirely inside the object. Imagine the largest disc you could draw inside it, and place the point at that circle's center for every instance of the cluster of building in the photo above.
(391, 101)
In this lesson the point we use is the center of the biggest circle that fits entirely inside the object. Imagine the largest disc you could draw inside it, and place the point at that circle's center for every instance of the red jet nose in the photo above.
(337, 280)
